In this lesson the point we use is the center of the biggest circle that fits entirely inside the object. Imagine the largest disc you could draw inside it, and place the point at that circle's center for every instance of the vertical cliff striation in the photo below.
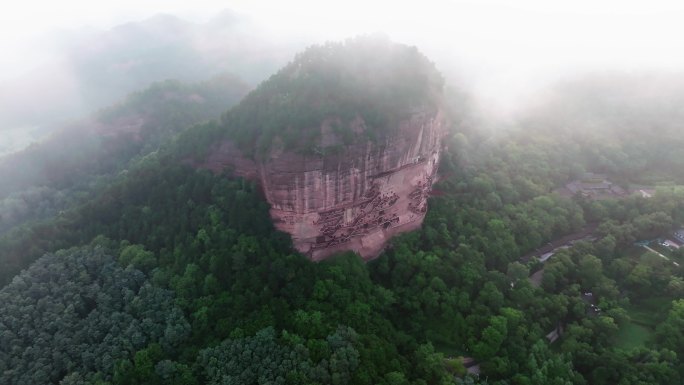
(359, 197)
(345, 142)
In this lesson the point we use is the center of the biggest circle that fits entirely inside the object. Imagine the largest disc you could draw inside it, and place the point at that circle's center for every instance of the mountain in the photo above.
(345, 142)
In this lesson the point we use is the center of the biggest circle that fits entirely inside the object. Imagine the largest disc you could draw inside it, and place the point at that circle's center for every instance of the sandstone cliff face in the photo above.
(355, 199)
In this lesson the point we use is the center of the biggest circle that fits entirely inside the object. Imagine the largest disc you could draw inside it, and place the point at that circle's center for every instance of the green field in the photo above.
(645, 315)
(634, 252)
(649, 312)
(632, 335)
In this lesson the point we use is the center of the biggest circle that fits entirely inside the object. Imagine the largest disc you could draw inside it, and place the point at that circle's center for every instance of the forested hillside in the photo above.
(58, 172)
(77, 312)
(173, 275)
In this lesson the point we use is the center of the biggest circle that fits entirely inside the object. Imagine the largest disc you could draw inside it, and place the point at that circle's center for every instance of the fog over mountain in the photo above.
(93, 68)
(66, 61)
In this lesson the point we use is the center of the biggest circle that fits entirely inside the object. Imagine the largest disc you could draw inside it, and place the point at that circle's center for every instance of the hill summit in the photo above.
(345, 141)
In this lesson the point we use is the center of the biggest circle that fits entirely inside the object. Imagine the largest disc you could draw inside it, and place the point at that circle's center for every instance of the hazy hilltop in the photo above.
(130, 56)
(94, 68)
(368, 78)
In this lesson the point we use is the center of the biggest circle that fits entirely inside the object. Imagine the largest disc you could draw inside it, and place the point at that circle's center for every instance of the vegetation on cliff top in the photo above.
(369, 77)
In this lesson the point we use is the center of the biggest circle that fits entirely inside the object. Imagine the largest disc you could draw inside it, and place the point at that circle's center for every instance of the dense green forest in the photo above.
(166, 274)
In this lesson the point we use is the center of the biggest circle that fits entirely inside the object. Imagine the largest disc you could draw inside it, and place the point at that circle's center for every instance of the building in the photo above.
(595, 186)
(679, 236)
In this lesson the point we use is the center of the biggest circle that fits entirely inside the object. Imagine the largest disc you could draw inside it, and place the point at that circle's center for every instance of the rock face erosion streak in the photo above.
(355, 199)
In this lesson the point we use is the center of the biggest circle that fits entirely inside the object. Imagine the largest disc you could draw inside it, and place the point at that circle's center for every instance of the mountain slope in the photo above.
(73, 160)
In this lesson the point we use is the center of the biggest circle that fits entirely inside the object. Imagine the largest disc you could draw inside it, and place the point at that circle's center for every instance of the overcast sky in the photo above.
(501, 48)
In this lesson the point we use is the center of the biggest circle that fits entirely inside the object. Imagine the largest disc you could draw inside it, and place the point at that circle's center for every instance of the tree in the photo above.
(671, 332)
(491, 339)
(137, 256)
(90, 317)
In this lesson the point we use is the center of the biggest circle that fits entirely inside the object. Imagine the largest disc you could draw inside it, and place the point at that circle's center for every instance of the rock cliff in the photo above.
(358, 198)
(345, 142)
(355, 199)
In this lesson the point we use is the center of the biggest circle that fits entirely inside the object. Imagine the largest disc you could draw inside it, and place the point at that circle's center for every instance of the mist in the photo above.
(74, 72)
(64, 62)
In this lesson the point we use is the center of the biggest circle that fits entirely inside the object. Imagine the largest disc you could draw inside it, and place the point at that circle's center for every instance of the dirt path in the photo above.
(536, 278)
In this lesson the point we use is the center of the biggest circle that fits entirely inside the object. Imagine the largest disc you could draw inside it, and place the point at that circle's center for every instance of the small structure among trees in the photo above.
(595, 186)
